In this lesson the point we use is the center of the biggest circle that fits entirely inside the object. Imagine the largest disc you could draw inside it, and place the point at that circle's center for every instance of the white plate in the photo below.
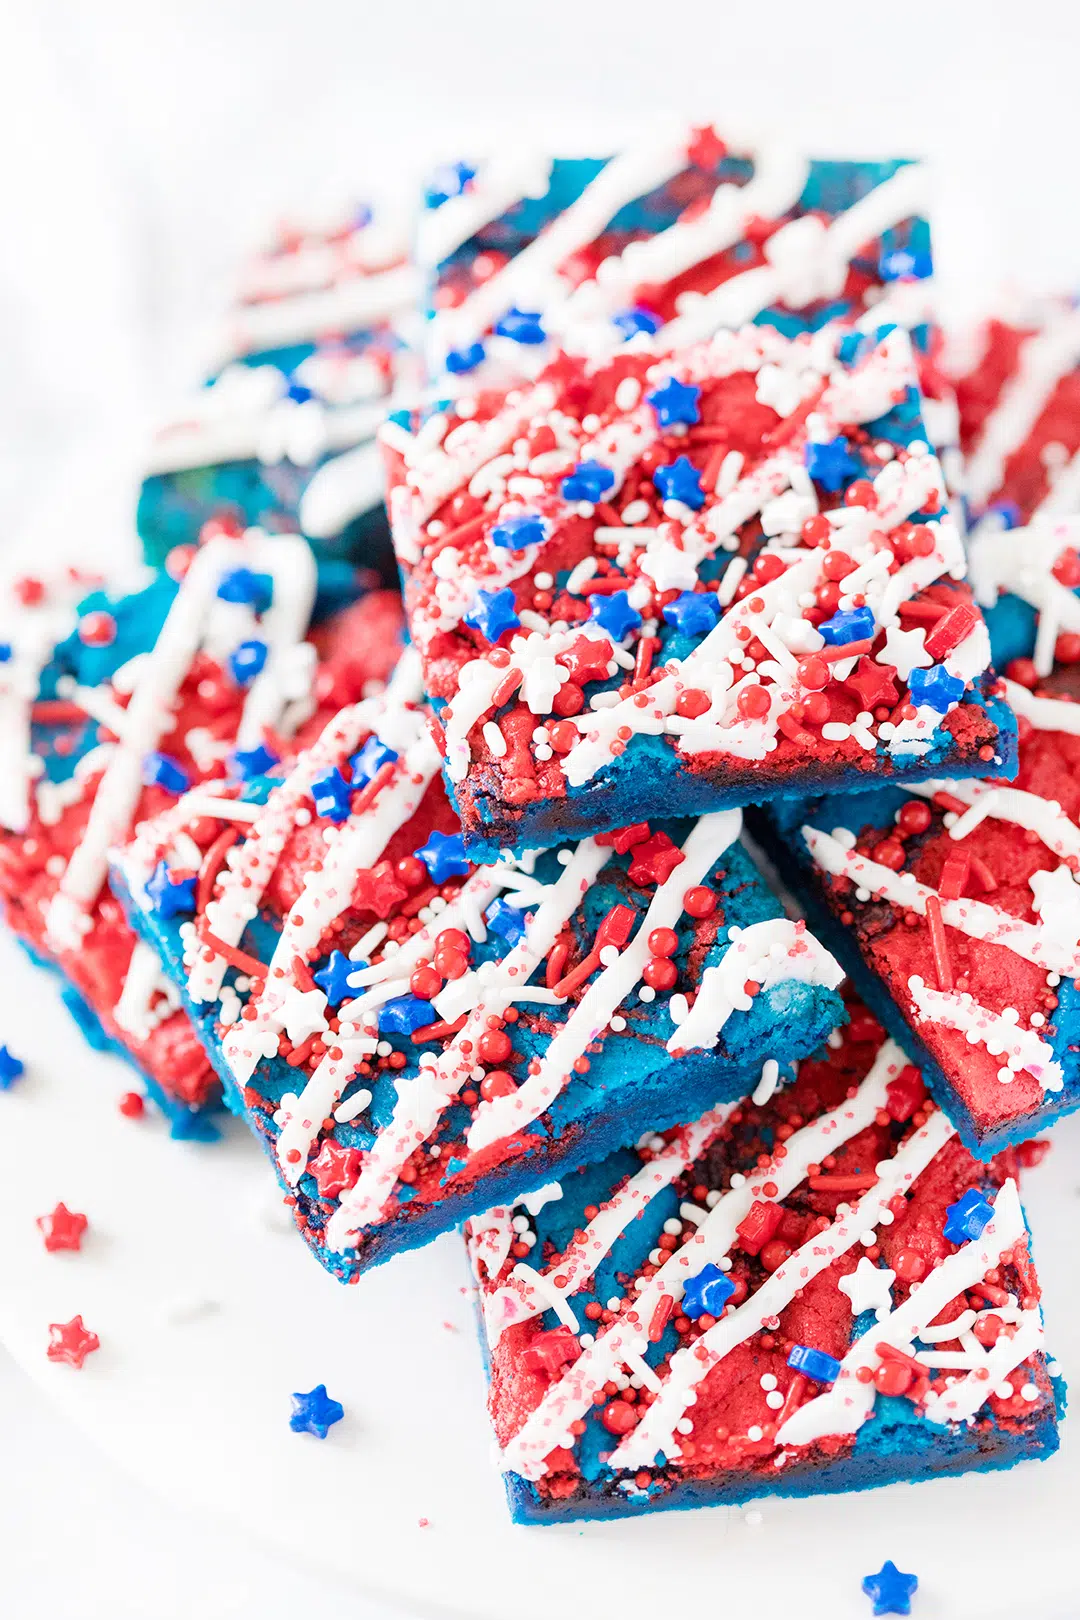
(210, 1312)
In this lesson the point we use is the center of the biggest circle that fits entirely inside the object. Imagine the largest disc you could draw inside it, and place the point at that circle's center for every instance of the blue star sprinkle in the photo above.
(11, 1068)
(172, 897)
(449, 180)
(707, 1293)
(934, 688)
(163, 771)
(248, 762)
(614, 614)
(589, 481)
(680, 482)
(370, 761)
(524, 529)
(830, 463)
(405, 1015)
(965, 1220)
(332, 796)
(505, 920)
(314, 1412)
(243, 586)
(493, 613)
(675, 402)
(460, 361)
(333, 979)
(856, 624)
(521, 326)
(5, 652)
(632, 321)
(444, 856)
(298, 393)
(247, 661)
(815, 1364)
(693, 613)
(901, 264)
(890, 1589)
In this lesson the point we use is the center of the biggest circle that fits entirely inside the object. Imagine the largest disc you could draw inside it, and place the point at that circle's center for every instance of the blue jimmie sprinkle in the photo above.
(934, 688)
(493, 613)
(830, 463)
(965, 1220)
(707, 1293)
(589, 481)
(856, 624)
(162, 770)
(171, 897)
(5, 652)
(332, 796)
(614, 614)
(247, 661)
(298, 393)
(694, 613)
(315, 1412)
(521, 530)
(822, 1368)
(444, 856)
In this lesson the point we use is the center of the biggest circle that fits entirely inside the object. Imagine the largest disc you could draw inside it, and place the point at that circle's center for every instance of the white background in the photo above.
(144, 141)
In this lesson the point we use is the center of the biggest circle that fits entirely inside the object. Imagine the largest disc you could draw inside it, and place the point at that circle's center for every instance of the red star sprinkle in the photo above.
(587, 660)
(71, 1342)
(551, 1351)
(625, 838)
(655, 860)
(705, 149)
(335, 1168)
(63, 1229)
(379, 890)
(874, 684)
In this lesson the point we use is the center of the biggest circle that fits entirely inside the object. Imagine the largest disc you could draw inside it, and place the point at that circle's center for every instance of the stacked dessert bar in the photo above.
(469, 932)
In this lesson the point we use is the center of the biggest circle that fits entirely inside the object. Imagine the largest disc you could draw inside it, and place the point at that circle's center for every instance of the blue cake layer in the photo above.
(893, 1447)
(632, 1085)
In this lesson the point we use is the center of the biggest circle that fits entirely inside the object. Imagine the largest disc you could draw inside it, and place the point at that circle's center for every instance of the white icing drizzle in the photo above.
(1045, 358)
(1045, 714)
(807, 261)
(422, 1098)
(1020, 561)
(1042, 816)
(844, 1408)
(691, 1365)
(767, 953)
(590, 1019)
(346, 486)
(149, 715)
(1019, 1049)
(975, 918)
(349, 306)
(32, 631)
(500, 181)
(359, 843)
(522, 1297)
(147, 997)
(570, 1397)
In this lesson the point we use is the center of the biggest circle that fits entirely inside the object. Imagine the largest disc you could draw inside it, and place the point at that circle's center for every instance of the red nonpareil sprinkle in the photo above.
(939, 944)
(131, 1105)
(235, 958)
(212, 862)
